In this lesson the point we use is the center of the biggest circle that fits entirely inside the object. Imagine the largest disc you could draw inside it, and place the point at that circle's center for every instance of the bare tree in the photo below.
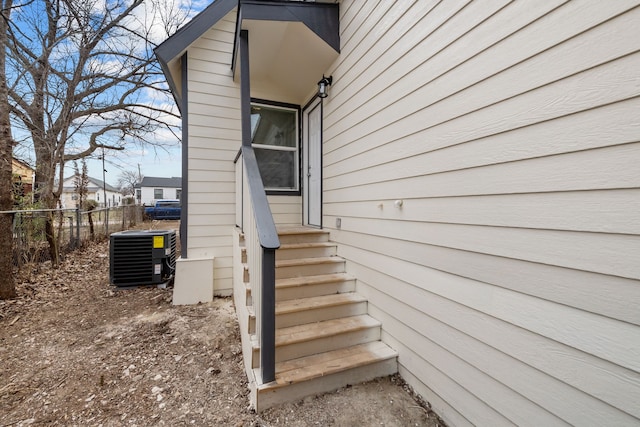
(127, 182)
(80, 183)
(7, 283)
(80, 76)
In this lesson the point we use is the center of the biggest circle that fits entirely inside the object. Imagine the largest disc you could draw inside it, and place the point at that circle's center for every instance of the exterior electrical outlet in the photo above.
(142, 257)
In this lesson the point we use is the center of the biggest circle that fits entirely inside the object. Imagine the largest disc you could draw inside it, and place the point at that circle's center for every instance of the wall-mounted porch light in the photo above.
(323, 86)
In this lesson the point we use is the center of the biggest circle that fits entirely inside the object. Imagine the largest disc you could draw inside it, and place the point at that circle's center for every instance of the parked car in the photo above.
(164, 209)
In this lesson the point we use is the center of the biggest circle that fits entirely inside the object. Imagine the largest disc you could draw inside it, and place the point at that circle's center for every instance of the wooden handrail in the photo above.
(267, 233)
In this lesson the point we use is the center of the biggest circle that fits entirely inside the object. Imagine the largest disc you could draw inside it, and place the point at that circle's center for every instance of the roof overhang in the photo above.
(290, 43)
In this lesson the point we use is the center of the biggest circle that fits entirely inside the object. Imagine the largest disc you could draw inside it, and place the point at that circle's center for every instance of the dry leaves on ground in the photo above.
(75, 351)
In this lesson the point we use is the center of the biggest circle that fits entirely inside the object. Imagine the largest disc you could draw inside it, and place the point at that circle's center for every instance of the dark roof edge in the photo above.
(99, 183)
(321, 18)
(195, 28)
(177, 43)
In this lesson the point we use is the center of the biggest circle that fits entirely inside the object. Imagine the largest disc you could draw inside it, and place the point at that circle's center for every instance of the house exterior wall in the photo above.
(26, 176)
(26, 173)
(67, 200)
(286, 210)
(483, 159)
(94, 192)
(114, 198)
(147, 194)
(214, 140)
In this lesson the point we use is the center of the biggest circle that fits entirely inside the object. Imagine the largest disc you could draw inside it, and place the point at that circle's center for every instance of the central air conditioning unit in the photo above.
(142, 257)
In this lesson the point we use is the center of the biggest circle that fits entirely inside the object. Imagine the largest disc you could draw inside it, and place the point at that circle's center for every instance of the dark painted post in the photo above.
(245, 88)
(268, 348)
(184, 197)
(267, 318)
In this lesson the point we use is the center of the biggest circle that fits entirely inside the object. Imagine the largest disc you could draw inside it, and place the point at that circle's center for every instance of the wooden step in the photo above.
(309, 286)
(309, 267)
(315, 309)
(324, 338)
(312, 286)
(304, 340)
(325, 372)
(306, 250)
(291, 235)
(318, 309)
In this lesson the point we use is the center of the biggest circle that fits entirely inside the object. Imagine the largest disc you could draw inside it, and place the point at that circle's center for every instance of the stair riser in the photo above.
(265, 399)
(315, 290)
(321, 251)
(308, 291)
(313, 315)
(309, 270)
(286, 239)
(334, 342)
(320, 314)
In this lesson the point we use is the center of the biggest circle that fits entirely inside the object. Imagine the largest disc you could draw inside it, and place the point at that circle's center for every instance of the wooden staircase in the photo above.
(324, 337)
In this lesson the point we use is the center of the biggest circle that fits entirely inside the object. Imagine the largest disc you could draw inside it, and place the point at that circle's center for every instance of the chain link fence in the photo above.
(74, 227)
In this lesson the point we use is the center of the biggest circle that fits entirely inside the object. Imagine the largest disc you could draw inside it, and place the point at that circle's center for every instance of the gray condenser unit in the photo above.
(142, 257)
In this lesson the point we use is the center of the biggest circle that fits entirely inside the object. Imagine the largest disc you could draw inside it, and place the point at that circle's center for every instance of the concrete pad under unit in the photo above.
(194, 281)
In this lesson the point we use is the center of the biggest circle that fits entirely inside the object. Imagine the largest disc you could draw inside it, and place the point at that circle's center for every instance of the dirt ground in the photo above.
(74, 351)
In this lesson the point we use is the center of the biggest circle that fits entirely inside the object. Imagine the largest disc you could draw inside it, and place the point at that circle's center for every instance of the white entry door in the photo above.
(312, 164)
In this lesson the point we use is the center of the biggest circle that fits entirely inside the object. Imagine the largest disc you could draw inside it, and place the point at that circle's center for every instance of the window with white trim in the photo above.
(274, 134)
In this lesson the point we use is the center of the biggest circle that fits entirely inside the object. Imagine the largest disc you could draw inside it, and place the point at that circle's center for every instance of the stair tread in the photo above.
(309, 303)
(331, 362)
(299, 230)
(312, 280)
(306, 245)
(325, 328)
(309, 261)
(303, 304)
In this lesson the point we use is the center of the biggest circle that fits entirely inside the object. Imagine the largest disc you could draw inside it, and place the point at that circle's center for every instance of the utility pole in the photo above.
(104, 182)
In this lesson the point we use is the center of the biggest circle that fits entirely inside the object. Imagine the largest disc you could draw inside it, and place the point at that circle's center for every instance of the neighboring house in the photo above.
(153, 188)
(24, 175)
(475, 164)
(96, 190)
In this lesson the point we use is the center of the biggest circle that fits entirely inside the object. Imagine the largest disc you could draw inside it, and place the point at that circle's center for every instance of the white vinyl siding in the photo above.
(286, 210)
(214, 140)
(508, 279)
